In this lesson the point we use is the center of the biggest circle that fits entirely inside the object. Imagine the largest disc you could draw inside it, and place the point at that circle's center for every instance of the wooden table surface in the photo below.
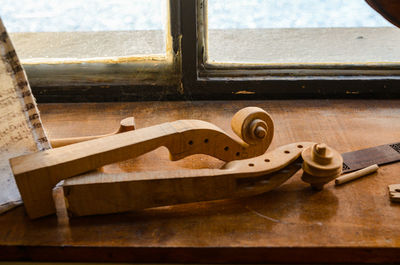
(352, 223)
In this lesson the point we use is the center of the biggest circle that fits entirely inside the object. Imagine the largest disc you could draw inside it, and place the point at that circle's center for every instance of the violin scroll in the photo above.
(254, 126)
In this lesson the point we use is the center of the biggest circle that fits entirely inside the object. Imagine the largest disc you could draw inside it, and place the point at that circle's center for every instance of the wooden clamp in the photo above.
(36, 174)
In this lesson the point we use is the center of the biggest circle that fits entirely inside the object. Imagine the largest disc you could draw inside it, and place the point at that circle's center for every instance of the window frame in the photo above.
(191, 77)
(139, 78)
(259, 82)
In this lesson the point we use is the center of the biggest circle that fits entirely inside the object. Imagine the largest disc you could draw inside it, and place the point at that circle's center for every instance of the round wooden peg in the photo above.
(260, 132)
(254, 126)
(321, 165)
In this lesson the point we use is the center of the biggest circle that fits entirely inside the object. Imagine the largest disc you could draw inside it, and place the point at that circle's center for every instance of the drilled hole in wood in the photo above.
(267, 160)
(300, 146)
(190, 142)
(251, 165)
(397, 190)
(237, 154)
(287, 152)
(205, 140)
(226, 148)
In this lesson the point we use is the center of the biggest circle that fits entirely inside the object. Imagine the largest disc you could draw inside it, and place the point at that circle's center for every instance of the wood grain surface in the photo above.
(355, 222)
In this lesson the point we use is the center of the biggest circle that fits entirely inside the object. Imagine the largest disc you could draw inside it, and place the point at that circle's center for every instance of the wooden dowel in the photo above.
(127, 124)
(355, 175)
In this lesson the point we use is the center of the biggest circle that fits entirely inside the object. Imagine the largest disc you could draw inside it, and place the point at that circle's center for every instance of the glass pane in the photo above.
(86, 29)
(299, 31)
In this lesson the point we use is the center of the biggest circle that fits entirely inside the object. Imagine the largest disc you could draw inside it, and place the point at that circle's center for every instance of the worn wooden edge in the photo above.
(201, 255)
(105, 93)
(227, 89)
(9, 206)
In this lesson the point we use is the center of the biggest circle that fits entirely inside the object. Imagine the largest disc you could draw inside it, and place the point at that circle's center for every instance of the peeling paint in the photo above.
(244, 92)
(352, 92)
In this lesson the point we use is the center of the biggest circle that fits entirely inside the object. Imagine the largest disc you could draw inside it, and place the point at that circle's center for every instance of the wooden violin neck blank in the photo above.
(99, 193)
(36, 174)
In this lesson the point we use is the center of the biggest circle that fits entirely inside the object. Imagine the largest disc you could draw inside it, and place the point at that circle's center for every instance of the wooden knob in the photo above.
(321, 165)
(260, 132)
(253, 125)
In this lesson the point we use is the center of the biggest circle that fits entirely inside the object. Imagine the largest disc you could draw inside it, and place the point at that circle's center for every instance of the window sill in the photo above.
(277, 48)
(75, 47)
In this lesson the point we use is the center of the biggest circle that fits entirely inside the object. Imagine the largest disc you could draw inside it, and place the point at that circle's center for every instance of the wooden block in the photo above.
(394, 192)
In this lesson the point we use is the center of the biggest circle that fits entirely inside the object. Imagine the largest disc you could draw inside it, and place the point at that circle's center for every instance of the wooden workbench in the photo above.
(352, 223)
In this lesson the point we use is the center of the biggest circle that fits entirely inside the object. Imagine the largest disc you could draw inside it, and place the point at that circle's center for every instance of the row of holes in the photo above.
(267, 160)
(226, 148)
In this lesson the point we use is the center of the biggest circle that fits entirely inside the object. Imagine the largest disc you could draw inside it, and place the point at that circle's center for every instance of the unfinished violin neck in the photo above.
(99, 193)
(36, 174)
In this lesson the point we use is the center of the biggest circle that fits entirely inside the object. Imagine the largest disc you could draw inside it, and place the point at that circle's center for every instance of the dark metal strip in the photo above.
(381, 155)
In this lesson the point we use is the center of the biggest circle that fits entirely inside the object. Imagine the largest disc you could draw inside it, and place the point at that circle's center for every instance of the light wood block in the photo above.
(394, 192)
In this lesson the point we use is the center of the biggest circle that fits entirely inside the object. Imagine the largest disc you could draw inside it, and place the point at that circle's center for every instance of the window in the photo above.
(299, 32)
(209, 50)
(92, 30)
(284, 80)
(102, 47)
